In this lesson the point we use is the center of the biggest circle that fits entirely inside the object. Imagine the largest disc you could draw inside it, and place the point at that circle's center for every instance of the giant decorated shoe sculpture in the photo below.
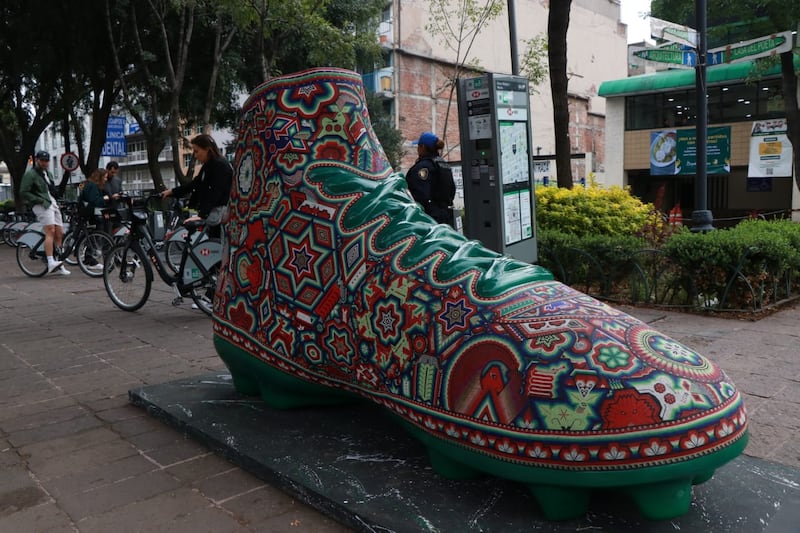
(336, 286)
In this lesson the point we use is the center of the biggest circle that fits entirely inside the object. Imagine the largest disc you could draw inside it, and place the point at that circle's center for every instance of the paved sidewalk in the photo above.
(75, 456)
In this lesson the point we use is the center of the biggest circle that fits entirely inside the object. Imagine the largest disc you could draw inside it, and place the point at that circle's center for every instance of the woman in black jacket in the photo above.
(212, 186)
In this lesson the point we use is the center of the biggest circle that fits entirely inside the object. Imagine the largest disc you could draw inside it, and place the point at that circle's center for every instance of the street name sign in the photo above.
(670, 31)
(686, 58)
(753, 49)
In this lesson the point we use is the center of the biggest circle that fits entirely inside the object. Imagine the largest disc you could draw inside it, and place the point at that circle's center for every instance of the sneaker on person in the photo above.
(63, 271)
(96, 266)
(54, 265)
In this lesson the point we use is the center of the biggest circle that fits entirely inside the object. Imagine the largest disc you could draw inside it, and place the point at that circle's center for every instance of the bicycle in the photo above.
(175, 233)
(128, 271)
(83, 243)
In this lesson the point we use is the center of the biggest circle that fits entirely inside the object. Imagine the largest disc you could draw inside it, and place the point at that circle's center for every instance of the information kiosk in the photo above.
(495, 123)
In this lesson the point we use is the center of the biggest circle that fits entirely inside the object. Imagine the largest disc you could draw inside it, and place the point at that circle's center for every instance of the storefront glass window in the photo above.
(727, 103)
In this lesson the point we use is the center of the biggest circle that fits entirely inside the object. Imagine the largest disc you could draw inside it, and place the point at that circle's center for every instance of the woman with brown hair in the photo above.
(92, 193)
(212, 186)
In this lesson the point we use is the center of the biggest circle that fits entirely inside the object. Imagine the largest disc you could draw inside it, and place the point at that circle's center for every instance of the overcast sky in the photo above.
(631, 14)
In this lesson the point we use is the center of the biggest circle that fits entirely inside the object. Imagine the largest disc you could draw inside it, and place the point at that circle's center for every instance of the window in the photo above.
(737, 101)
(643, 112)
(740, 102)
(770, 99)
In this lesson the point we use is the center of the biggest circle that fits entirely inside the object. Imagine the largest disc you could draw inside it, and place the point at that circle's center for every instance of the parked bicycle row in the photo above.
(123, 246)
(110, 234)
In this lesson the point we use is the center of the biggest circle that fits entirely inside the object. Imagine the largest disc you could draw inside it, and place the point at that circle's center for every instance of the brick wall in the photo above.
(422, 102)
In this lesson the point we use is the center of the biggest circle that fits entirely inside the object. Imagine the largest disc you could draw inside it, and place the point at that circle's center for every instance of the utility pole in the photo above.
(512, 34)
(701, 216)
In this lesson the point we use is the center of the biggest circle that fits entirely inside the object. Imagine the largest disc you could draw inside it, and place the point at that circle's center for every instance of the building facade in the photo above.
(640, 108)
(134, 170)
(415, 88)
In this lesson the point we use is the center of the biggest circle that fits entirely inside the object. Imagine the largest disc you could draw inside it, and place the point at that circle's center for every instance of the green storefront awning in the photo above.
(683, 79)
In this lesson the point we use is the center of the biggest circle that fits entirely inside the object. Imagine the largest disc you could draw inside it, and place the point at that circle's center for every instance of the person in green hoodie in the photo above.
(38, 191)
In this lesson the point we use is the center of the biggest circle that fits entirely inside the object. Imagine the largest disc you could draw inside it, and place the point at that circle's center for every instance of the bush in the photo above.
(749, 266)
(596, 211)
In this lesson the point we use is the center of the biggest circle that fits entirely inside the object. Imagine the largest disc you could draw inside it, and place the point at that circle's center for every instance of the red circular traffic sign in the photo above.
(69, 161)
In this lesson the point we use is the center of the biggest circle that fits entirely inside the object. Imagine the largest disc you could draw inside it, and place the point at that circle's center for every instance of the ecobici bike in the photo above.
(128, 271)
(84, 243)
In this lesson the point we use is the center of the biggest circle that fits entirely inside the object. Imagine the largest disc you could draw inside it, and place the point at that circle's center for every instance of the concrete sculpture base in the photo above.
(360, 468)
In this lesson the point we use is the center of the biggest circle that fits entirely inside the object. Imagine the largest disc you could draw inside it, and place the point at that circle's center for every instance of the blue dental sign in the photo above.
(115, 144)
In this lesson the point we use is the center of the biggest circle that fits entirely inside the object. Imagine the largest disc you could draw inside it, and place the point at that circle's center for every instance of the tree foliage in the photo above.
(534, 65)
(168, 63)
(282, 36)
(49, 77)
(457, 25)
(390, 137)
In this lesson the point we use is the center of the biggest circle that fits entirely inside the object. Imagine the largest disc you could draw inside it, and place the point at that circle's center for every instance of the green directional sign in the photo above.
(674, 57)
(761, 47)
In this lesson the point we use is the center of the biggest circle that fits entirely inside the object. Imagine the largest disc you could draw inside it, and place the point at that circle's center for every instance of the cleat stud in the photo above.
(449, 468)
(561, 503)
(662, 501)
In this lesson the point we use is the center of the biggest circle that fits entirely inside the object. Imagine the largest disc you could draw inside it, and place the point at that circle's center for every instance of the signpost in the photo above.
(682, 47)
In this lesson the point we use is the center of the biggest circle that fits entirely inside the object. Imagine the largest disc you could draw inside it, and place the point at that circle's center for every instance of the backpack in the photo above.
(443, 186)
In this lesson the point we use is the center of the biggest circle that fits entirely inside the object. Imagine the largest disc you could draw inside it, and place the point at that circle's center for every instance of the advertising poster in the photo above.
(770, 150)
(115, 144)
(674, 152)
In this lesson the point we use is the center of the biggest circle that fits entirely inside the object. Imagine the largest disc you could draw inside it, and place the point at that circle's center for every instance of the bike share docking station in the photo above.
(495, 124)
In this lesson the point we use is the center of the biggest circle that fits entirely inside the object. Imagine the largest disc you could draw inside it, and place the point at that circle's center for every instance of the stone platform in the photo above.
(353, 464)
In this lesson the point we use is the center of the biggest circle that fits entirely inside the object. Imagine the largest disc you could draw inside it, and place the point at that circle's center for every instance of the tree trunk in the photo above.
(557, 25)
(155, 145)
(792, 112)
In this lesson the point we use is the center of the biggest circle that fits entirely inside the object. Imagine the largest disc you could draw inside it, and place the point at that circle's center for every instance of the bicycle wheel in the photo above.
(90, 251)
(68, 243)
(14, 233)
(127, 276)
(173, 251)
(203, 295)
(31, 262)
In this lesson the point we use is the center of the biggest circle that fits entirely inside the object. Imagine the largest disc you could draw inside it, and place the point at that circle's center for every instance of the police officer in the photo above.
(430, 181)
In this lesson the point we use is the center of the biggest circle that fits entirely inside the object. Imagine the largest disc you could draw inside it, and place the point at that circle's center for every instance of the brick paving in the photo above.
(76, 456)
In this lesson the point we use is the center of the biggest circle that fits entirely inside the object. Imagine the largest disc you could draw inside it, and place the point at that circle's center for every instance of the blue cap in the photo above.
(428, 139)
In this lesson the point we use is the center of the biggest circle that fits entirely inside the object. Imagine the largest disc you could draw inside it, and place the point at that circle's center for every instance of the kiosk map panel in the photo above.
(511, 98)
